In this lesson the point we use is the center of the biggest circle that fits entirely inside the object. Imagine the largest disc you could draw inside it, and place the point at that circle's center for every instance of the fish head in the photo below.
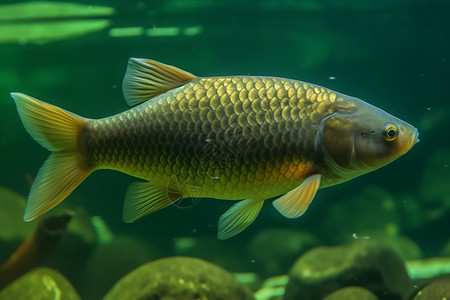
(360, 137)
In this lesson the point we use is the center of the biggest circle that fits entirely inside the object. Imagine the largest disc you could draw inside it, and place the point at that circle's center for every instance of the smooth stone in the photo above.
(436, 290)
(184, 278)
(351, 293)
(40, 284)
(365, 263)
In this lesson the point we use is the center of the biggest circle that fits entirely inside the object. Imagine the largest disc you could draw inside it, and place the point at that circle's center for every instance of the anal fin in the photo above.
(293, 204)
(238, 217)
(143, 198)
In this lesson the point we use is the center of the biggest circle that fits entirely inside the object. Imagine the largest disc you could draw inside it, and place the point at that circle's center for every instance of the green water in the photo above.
(392, 54)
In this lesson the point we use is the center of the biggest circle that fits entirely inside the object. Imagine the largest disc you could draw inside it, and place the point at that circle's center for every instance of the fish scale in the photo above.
(243, 127)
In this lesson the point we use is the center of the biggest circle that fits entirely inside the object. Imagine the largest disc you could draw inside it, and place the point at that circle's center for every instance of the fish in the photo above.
(242, 138)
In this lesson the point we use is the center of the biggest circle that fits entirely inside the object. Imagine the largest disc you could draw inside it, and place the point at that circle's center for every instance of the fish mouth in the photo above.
(412, 141)
(415, 138)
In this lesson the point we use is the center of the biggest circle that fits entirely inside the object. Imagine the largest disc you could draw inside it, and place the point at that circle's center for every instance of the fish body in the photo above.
(226, 137)
(246, 138)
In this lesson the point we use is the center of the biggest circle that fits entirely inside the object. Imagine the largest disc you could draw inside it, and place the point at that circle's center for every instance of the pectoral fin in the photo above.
(143, 198)
(293, 204)
(238, 217)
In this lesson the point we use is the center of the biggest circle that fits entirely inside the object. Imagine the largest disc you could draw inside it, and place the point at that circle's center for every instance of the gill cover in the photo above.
(361, 137)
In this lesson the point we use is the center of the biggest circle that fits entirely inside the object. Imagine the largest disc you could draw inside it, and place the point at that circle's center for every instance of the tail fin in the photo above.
(57, 130)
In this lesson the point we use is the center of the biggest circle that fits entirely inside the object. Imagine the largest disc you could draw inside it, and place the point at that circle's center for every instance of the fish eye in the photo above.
(390, 132)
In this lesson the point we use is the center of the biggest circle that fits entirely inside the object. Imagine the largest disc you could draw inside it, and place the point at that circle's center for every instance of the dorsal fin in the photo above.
(147, 78)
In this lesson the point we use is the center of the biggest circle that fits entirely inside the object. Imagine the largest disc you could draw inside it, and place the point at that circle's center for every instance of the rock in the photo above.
(436, 290)
(275, 250)
(365, 263)
(179, 278)
(111, 261)
(40, 284)
(351, 293)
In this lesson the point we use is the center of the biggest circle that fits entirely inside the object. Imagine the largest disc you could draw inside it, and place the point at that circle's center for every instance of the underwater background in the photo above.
(393, 54)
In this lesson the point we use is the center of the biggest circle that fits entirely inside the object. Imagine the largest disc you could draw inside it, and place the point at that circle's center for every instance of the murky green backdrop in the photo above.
(392, 54)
